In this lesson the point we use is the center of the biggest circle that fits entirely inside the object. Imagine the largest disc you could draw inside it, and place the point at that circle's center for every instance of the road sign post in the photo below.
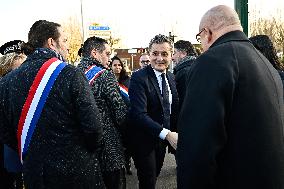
(241, 6)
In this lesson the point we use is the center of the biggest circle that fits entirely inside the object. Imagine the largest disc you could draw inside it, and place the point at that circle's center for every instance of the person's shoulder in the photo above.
(141, 72)
(107, 73)
(69, 68)
(10, 76)
(183, 65)
(281, 73)
(209, 62)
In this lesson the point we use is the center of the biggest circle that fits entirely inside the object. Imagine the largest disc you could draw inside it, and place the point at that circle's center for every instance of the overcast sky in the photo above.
(135, 22)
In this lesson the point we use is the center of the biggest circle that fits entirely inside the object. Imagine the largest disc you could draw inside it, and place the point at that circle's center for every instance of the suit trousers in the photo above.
(149, 165)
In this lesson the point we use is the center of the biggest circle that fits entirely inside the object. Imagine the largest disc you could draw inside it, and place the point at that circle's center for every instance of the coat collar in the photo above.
(186, 62)
(89, 61)
(230, 36)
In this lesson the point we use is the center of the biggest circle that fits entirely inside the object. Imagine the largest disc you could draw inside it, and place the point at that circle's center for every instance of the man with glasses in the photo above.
(231, 121)
(144, 60)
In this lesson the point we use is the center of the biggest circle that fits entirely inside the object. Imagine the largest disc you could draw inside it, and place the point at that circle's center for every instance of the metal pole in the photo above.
(241, 6)
(82, 21)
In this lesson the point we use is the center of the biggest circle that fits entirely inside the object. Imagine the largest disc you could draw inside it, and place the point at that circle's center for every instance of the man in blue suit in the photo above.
(153, 112)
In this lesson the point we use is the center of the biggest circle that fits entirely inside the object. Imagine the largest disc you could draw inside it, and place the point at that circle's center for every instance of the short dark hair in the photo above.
(40, 32)
(93, 43)
(185, 46)
(159, 39)
(265, 46)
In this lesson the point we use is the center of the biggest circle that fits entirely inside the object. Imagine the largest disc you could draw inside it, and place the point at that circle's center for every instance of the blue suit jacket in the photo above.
(146, 111)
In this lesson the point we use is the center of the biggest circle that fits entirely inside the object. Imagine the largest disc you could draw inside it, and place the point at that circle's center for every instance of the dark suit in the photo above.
(231, 124)
(146, 115)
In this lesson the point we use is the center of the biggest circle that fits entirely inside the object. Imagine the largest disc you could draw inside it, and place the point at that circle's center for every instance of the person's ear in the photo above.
(184, 54)
(50, 43)
(209, 36)
(94, 53)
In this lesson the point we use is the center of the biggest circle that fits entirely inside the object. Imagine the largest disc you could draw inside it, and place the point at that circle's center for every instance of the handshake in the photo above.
(172, 138)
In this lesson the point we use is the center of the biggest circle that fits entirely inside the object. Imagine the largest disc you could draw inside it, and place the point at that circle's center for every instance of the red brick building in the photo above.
(130, 56)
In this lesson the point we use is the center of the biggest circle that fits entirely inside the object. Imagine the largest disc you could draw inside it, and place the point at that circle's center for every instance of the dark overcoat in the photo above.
(114, 114)
(61, 153)
(231, 122)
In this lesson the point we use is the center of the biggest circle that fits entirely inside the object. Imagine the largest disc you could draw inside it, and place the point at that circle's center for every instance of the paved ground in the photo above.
(166, 180)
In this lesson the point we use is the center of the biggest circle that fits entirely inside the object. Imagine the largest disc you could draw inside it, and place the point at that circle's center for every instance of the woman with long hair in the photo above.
(123, 78)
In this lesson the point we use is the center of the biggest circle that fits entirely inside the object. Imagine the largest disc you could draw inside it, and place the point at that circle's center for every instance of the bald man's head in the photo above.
(220, 17)
(216, 22)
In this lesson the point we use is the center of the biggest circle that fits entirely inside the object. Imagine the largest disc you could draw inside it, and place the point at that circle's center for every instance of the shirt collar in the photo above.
(157, 73)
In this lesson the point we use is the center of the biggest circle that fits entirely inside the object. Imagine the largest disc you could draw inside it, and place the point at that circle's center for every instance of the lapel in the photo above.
(154, 81)
(171, 83)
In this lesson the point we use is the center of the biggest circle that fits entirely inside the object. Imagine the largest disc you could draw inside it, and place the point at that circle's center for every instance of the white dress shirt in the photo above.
(158, 74)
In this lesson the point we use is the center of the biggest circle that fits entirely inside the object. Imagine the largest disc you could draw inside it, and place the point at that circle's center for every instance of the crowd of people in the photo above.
(220, 112)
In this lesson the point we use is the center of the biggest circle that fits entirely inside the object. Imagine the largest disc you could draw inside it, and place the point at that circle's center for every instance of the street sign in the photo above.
(99, 28)
(132, 51)
(105, 34)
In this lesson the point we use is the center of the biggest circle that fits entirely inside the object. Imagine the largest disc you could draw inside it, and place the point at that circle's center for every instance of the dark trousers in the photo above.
(149, 166)
(115, 179)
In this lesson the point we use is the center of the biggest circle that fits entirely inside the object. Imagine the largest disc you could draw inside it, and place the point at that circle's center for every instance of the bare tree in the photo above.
(73, 28)
(272, 26)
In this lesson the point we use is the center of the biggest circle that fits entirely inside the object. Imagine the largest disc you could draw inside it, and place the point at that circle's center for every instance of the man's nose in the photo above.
(159, 57)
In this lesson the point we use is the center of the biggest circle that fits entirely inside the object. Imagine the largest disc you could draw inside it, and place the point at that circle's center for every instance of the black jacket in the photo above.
(181, 71)
(231, 122)
(62, 150)
(114, 113)
(146, 111)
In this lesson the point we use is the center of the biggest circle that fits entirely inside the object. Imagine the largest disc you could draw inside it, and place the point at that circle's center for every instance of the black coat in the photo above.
(61, 153)
(231, 122)
(146, 111)
(114, 113)
(181, 71)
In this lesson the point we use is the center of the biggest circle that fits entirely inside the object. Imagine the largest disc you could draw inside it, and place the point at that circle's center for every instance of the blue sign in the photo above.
(99, 28)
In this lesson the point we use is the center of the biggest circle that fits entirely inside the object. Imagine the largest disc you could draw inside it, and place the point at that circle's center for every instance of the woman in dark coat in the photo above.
(266, 47)
(11, 167)
(123, 79)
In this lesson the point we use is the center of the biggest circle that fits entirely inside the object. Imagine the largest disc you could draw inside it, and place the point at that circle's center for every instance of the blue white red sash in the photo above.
(123, 90)
(35, 101)
(93, 72)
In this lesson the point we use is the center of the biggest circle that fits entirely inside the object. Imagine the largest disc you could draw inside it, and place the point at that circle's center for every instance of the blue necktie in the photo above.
(166, 103)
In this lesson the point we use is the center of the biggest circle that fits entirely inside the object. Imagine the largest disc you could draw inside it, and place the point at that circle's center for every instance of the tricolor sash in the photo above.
(123, 90)
(93, 72)
(35, 101)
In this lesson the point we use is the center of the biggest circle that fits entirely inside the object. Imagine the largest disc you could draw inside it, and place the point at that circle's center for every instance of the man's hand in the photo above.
(172, 137)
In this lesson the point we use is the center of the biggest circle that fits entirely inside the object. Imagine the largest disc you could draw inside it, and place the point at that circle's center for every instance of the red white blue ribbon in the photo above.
(35, 101)
(123, 90)
(93, 72)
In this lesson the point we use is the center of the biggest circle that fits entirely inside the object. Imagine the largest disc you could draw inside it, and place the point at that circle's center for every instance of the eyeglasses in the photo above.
(145, 61)
(198, 35)
(202, 30)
